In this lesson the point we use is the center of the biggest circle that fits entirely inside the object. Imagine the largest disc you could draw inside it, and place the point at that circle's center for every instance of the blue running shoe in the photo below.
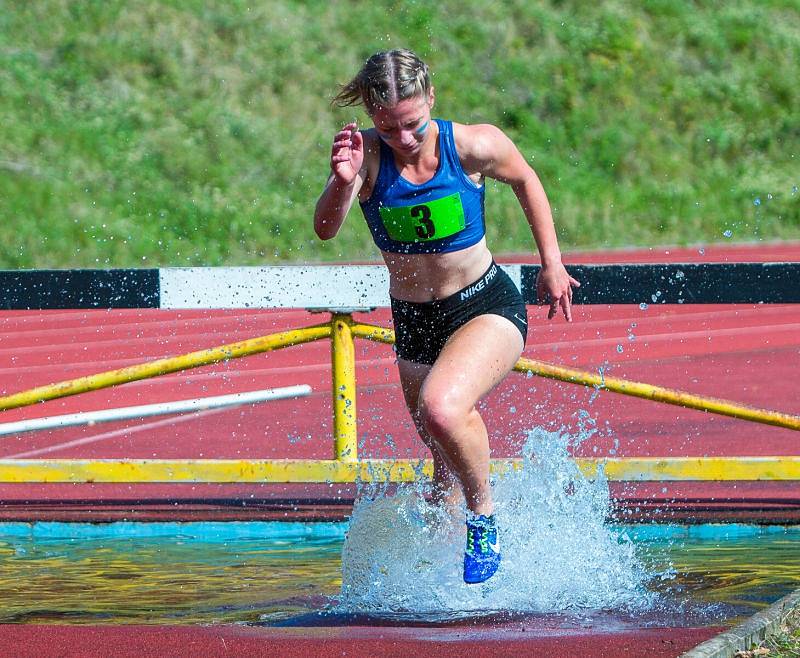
(482, 556)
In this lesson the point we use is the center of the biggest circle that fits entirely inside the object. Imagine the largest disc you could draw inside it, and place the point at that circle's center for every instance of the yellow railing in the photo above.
(345, 465)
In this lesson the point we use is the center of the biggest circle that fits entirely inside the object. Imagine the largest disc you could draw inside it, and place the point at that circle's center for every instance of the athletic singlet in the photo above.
(444, 214)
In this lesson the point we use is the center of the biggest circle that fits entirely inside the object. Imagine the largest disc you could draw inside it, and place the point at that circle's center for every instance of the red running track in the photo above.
(34, 641)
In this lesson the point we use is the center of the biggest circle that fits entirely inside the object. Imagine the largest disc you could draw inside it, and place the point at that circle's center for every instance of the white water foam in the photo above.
(403, 556)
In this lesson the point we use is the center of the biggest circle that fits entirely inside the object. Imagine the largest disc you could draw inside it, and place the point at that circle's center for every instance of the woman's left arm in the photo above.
(496, 156)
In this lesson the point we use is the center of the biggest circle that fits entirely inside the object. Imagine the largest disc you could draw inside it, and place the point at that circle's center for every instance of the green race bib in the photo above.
(432, 220)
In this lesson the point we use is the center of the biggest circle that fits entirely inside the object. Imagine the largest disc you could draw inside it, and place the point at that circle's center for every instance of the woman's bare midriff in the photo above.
(425, 277)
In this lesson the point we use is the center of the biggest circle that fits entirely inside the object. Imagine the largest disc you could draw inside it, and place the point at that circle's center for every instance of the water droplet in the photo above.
(620, 349)
(643, 306)
(757, 201)
(728, 233)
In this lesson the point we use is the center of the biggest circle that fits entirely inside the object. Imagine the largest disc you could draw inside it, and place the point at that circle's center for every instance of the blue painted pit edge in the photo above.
(219, 531)
(705, 531)
(241, 530)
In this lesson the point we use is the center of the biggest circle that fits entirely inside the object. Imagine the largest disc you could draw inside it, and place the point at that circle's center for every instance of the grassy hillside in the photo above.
(139, 133)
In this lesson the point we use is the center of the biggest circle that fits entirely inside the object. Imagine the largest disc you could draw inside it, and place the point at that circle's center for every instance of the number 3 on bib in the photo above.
(432, 220)
(425, 228)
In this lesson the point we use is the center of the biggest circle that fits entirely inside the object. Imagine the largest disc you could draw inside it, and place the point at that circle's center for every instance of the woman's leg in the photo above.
(474, 360)
(412, 376)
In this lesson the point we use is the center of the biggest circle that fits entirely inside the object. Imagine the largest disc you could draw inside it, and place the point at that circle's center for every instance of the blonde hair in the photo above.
(386, 79)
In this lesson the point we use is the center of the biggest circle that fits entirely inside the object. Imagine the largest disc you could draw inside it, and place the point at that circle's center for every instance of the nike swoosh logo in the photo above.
(495, 547)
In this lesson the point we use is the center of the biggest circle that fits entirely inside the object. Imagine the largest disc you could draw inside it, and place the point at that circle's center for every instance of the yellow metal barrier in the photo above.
(625, 387)
(165, 366)
(374, 470)
(346, 467)
(343, 364)
(659, 394)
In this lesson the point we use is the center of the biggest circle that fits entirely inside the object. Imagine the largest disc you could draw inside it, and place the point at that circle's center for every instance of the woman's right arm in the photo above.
(348, 172)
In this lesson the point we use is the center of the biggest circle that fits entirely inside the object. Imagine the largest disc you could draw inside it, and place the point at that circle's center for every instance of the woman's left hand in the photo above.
(554, 286)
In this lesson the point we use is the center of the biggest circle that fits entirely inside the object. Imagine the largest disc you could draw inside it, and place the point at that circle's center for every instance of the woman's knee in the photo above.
(440, 416)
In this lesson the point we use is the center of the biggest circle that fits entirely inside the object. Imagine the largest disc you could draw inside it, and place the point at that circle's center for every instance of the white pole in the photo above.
(159, 409)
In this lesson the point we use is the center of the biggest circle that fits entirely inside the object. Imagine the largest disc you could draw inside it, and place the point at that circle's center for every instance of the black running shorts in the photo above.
(422, 328)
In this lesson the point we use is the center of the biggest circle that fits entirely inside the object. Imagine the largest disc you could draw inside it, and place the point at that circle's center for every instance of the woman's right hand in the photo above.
(347, 155)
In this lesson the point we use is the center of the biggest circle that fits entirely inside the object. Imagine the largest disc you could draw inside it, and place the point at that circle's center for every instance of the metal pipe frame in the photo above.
(345, 465)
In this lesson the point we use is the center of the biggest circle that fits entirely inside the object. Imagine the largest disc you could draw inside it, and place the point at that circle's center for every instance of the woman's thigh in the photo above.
(474, 360)
(412, 376)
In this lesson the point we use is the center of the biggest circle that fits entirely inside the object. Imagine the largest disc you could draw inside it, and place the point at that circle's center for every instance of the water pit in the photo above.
(278, 573)
(397, 562)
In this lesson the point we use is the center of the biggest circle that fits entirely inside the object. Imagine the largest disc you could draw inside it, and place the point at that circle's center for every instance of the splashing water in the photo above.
(403, 556)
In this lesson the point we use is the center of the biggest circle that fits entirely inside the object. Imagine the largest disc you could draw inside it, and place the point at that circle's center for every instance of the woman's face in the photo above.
(404, 126)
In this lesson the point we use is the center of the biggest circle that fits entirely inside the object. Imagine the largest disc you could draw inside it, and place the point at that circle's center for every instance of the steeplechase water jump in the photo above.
(447, 449)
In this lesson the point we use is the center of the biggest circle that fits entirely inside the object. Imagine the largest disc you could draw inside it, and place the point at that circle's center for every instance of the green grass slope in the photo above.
(143, 133)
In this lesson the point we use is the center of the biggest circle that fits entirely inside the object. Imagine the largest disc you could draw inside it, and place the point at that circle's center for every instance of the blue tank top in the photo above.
(445, 214)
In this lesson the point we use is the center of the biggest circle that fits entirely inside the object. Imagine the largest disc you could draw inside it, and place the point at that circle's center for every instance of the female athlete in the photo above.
(460, 322)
